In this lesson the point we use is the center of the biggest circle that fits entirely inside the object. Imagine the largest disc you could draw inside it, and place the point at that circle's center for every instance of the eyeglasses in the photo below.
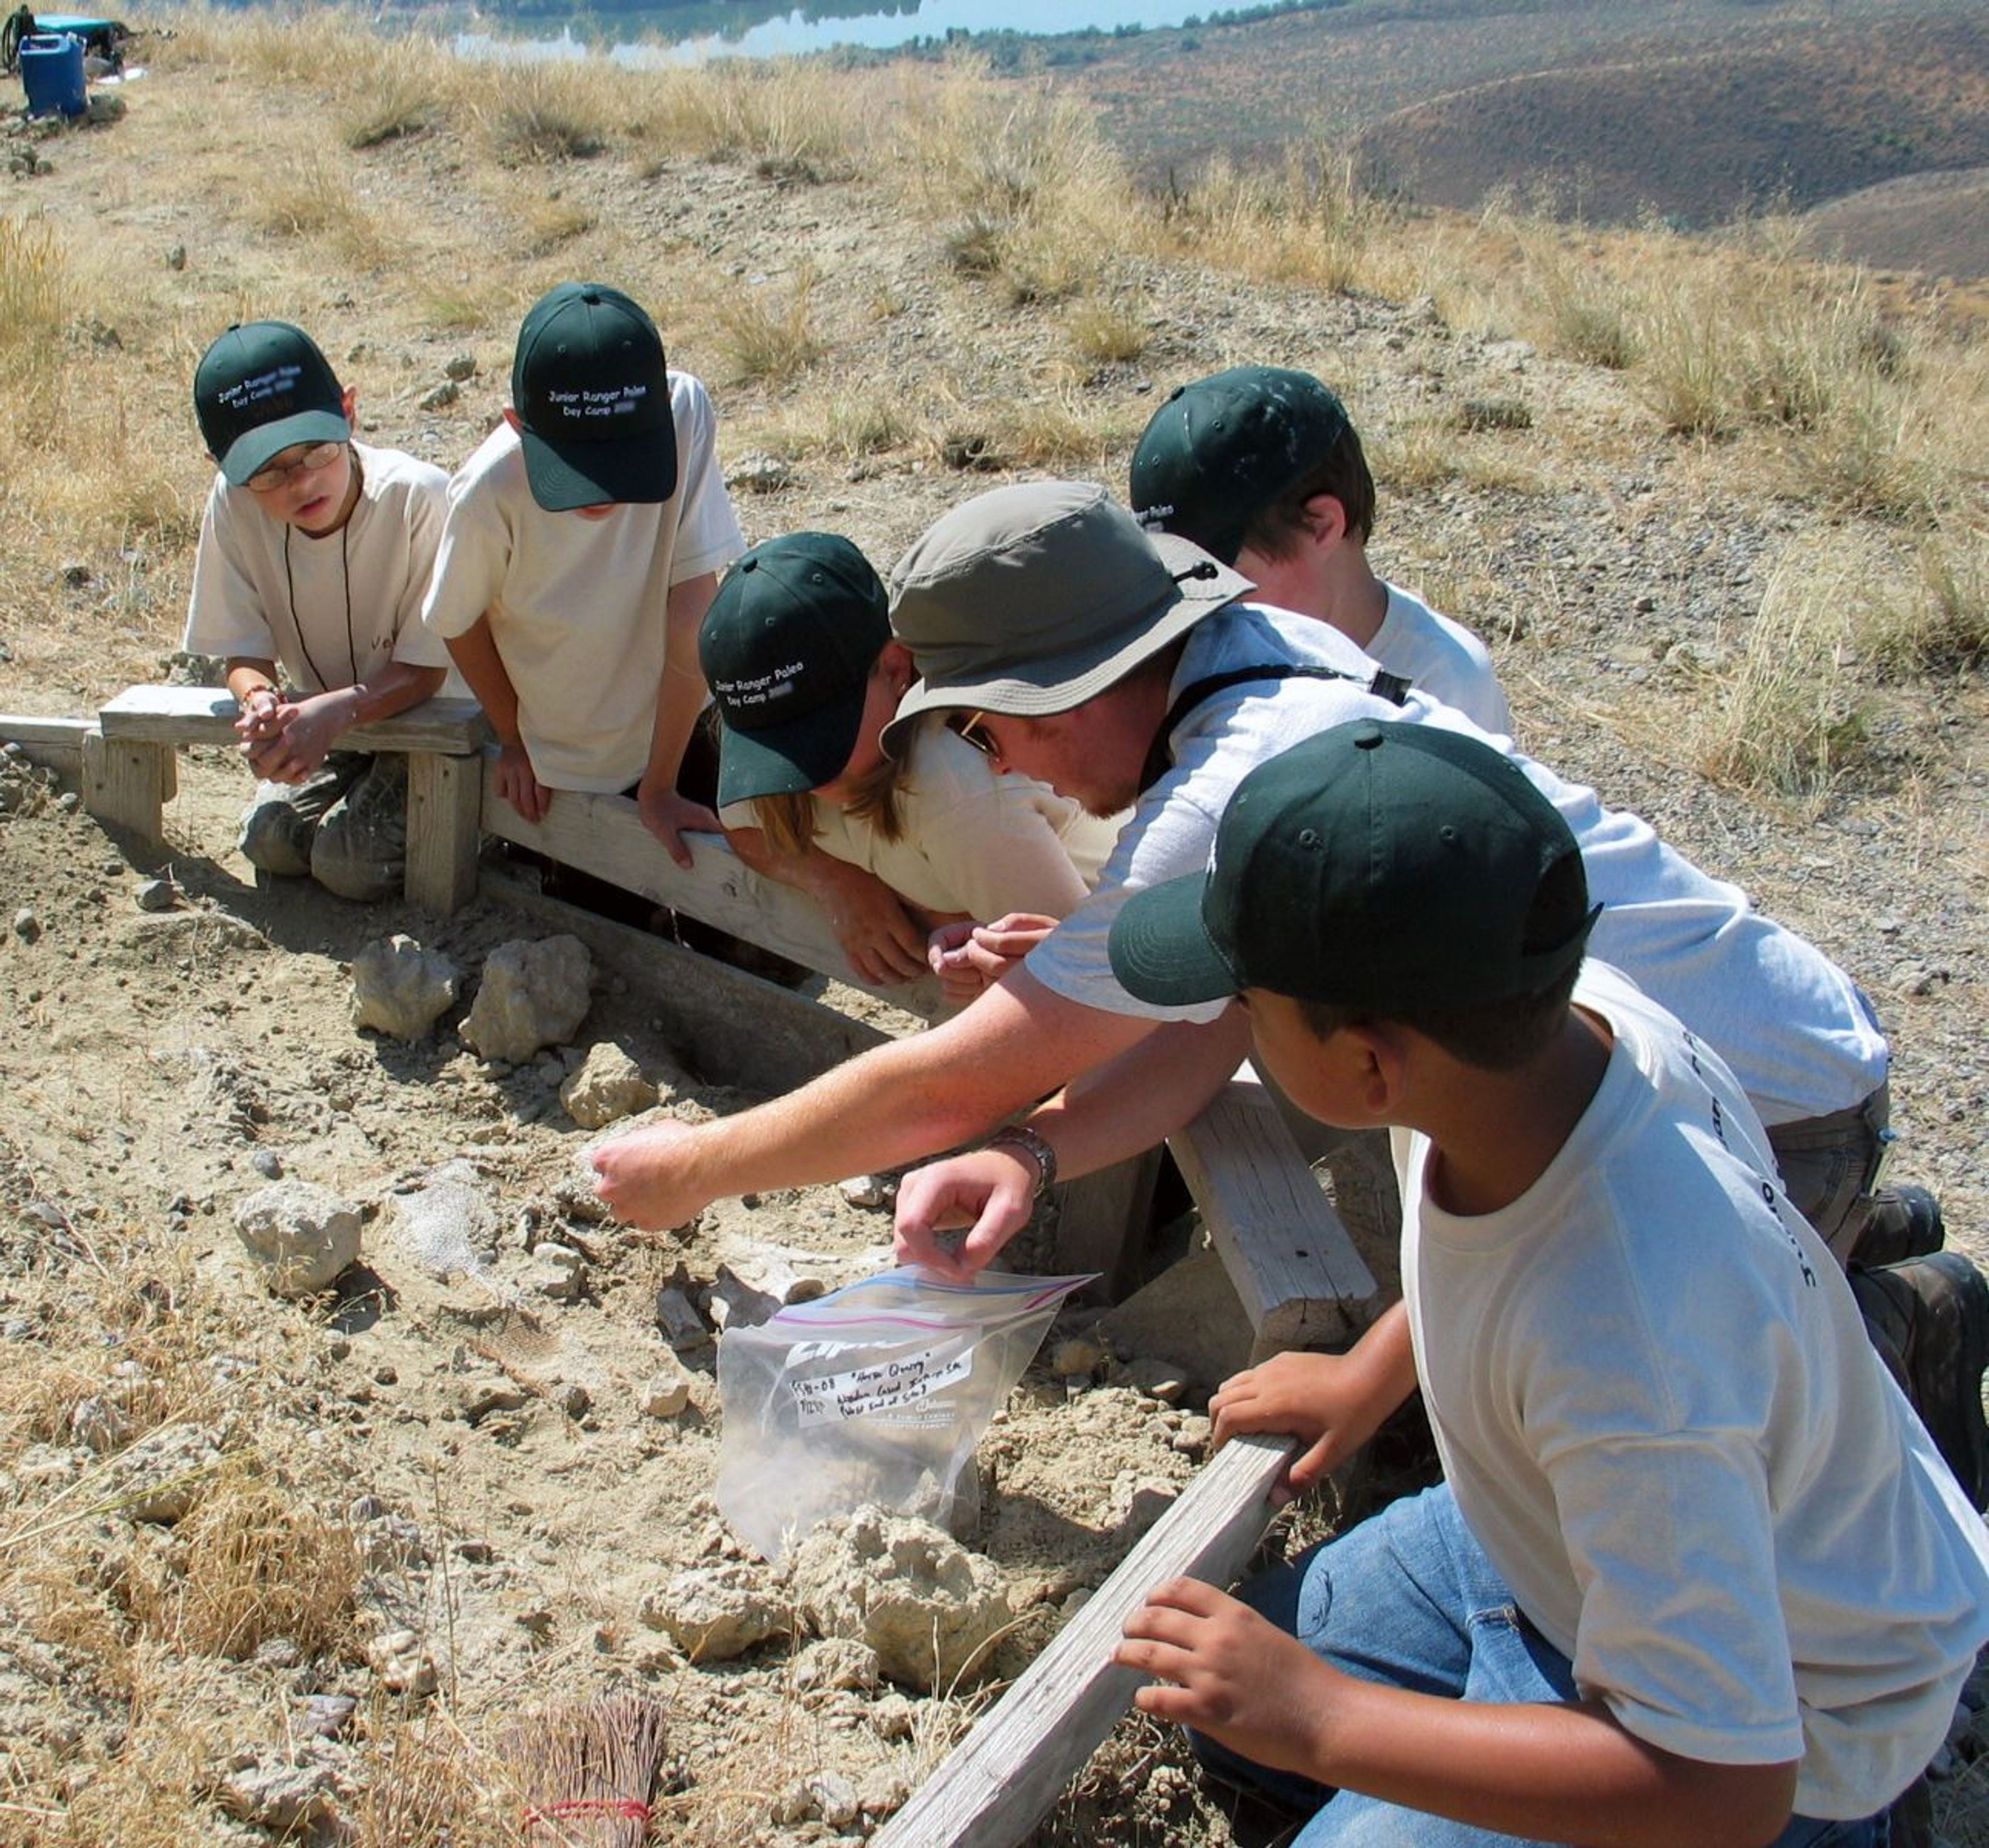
(266, 480)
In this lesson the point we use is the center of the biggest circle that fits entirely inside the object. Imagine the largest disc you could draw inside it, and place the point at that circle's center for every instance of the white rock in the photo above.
(401, 989)
(864, 1190)
(609, 1086)
(666, 1394)
(300, 1235)
(533, 995)
(836, 1662)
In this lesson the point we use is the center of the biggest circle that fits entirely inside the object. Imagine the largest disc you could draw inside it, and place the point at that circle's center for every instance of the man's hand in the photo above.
(1324, 1400)
(518, 783)
(669, 816)
(884, 942)
(992, 1190)
(642, 1177)
(967, 958)
(1227, 1672)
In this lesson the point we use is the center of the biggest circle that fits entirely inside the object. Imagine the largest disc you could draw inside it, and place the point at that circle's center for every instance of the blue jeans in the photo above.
(1408, 1598)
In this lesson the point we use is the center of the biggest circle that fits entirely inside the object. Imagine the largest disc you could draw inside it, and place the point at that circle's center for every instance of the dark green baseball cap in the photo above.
(1033, 598)
(261, 389)
(1386, 867)
(787, 647)
(1220, 450)
(592, 392)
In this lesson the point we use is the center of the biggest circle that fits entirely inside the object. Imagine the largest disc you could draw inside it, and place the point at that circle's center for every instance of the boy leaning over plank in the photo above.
(315, 553)
(1695, 1572)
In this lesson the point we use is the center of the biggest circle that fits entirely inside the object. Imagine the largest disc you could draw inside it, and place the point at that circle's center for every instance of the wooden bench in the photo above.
(128, 773)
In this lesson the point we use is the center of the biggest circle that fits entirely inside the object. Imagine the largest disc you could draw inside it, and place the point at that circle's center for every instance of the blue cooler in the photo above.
(51, 74)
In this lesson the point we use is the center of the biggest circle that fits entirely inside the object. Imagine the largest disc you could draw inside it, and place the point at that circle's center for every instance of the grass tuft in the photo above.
(768, 336)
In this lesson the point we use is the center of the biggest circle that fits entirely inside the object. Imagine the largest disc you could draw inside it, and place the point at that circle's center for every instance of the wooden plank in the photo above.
(1295, 1270)
(33, 734)
(126, 784)
(1099, 1217)
(206, 715)
(732, 1027)
(445, 829)
(998, 1782)
(603, 834)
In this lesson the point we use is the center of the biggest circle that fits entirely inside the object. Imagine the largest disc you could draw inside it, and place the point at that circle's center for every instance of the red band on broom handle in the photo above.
(627, 1808)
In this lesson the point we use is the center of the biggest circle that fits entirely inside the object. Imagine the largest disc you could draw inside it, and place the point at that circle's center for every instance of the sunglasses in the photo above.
(973, 728)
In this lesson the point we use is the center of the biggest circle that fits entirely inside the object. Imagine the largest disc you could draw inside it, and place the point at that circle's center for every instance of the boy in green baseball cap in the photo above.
(315, 553)
(583, 546)
(804, 675)
(1262, 467)
(1640, 1606)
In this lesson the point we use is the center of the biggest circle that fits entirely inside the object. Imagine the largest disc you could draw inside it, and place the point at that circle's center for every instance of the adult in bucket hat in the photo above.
(314, 555)
(583, 546)
(1589, 1197)
(805, 672)
(1173, 697)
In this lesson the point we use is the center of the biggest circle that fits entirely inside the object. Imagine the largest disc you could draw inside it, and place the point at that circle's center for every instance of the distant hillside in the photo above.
(1825, 113)
(1697, 109)
(1934, 221)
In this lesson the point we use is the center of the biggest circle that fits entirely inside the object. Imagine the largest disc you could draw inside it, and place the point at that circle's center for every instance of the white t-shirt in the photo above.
(1443, 659)
(971, 840)
(1789, 1022)
(331, 612)
(577, 606)
(1656, 1402)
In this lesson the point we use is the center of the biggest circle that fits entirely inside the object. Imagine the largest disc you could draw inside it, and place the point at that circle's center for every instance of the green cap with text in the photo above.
(1220, 450)
(1387, 868)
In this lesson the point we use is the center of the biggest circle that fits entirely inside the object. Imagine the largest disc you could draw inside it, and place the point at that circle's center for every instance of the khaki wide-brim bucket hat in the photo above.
(1034, 598)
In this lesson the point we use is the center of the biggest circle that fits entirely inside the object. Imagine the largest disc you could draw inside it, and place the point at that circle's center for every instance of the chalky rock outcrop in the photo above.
(401, 989)
(609, 1086)
(533, 995)
(300, 1235)
(928, 1607)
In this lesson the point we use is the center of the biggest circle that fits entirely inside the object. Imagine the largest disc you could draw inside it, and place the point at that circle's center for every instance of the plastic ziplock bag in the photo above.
(875, 1394)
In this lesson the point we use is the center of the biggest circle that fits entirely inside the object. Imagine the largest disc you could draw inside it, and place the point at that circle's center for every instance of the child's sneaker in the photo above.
(1929, 1318)
(1905, 1222)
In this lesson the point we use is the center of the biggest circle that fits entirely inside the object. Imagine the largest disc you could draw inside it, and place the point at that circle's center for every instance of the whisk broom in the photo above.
(587, 1772)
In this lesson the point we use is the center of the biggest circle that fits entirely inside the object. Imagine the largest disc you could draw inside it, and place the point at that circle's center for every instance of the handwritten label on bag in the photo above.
(879, 1391)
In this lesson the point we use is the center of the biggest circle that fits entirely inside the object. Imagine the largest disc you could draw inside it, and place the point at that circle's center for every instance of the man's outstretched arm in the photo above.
(1018, 1043)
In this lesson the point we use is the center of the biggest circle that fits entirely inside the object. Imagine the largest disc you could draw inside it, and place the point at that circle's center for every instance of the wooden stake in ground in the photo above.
(588, 1773)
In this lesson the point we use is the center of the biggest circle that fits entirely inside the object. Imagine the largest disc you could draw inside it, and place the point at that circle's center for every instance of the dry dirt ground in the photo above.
(517, 1509)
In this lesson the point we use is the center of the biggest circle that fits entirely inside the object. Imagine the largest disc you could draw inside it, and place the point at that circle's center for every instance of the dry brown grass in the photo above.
(1788, 713)
(253, 1561)
(767, 335)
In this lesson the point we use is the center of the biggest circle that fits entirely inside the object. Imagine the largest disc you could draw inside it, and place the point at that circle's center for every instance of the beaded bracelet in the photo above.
(1020, 1136)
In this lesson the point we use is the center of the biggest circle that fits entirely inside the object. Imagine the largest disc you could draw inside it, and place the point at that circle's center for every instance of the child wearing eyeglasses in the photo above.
(315, 555)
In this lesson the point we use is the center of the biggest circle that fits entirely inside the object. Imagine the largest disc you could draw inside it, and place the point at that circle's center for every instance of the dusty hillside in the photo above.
(1696, 109)
(1752, 610)
(1698, 136)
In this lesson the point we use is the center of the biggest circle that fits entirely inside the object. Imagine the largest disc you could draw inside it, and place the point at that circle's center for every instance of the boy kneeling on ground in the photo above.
(314, 557)
(1694, 1573)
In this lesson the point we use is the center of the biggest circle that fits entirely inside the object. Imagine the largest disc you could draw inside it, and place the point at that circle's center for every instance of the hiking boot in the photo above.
(1905, 1222)
(1928, 1319)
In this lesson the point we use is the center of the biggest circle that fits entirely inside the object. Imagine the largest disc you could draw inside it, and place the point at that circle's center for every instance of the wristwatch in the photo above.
(1019, 1135)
